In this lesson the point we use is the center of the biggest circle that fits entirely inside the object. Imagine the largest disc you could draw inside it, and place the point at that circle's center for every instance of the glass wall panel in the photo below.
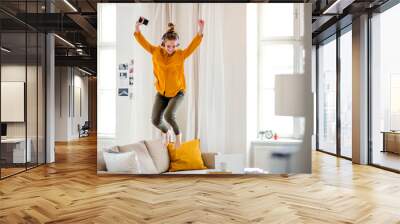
(327, 96)
(385, 89)
(31, 98)
(32, 87)
(346, 94)
(13, 94)
(23, 90)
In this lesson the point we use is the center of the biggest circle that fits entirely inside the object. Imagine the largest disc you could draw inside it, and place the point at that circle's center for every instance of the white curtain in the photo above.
(186, 16)
(203, 112)
(211, 81)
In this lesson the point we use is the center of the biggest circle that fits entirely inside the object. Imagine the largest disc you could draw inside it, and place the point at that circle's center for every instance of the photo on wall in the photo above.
(123, 75)
(218, 88)
(123, 92)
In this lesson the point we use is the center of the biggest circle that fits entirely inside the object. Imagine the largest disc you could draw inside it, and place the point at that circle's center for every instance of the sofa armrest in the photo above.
(209, 159)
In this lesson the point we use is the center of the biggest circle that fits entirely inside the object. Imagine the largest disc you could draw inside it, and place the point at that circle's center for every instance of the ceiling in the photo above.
(329, 16)
(76, 22)
(76, 26)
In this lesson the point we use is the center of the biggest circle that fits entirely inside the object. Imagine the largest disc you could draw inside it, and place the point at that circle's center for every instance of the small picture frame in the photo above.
(123, 75)
(123, 66)
(123, 92)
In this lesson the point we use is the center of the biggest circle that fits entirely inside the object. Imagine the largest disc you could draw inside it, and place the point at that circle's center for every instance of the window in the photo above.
(280, 52)
(385, 88)
(394, 101)
(106, 66)
(346, 94)
(327, 96)
(334, 95)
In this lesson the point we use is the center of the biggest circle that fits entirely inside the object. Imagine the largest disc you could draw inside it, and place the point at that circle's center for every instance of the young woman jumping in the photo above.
(168, 68)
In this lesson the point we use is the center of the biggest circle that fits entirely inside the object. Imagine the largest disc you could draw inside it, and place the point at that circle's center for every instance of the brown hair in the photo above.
(170, 34)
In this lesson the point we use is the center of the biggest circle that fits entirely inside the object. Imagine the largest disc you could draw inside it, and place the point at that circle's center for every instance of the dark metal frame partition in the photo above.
(44, 80)
(336, 38)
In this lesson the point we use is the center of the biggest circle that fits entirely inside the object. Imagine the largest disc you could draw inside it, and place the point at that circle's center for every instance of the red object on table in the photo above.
(275, 136)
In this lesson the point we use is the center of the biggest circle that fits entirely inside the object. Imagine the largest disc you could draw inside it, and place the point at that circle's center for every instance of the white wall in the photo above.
(17, 73)
(67, 81)
(61, 103)
(80, 83)
(133, 115)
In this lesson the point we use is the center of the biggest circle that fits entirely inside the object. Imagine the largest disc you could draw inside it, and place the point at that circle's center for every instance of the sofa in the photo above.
(152, 157)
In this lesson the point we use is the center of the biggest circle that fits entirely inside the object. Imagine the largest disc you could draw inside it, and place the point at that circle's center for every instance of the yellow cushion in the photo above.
(186, 157)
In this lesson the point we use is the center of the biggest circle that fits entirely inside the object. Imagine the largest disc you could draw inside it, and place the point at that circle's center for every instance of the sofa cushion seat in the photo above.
(205, 171)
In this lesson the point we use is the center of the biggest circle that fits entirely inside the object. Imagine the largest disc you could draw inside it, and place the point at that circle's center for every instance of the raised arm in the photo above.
(195, 42)
(142, 40)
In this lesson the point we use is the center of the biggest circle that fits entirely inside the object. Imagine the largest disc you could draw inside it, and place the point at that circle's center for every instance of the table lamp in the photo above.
(290, 100)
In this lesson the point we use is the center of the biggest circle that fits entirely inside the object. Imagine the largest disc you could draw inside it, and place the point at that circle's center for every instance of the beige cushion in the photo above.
(209, 159)
(159, 154)
(146, 164)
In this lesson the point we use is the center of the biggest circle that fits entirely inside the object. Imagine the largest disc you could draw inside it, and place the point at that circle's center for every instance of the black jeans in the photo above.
(166, 106)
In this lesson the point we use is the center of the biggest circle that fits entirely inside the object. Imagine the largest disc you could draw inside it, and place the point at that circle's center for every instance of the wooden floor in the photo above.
(10, 171)
(386, 159)
(69, 191)
(5, 172)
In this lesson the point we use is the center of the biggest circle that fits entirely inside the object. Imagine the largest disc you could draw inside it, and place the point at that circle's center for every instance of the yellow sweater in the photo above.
(168, 70)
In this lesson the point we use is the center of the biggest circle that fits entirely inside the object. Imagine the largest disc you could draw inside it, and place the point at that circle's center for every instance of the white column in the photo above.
(360, 90)
(50, 100)
(50, 93)
(304, 164)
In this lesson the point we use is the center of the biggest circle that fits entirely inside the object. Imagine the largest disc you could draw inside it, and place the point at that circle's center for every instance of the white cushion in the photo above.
(101, 164)
(122, 162)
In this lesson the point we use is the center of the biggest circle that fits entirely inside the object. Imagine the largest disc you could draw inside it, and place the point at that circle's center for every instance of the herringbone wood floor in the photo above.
(69, 191)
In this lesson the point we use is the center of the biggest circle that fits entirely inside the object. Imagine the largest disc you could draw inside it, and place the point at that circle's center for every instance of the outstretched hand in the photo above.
(201, 26)
(137, 25)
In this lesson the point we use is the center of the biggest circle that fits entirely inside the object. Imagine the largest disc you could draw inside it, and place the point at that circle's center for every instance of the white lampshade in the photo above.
(290, 95)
